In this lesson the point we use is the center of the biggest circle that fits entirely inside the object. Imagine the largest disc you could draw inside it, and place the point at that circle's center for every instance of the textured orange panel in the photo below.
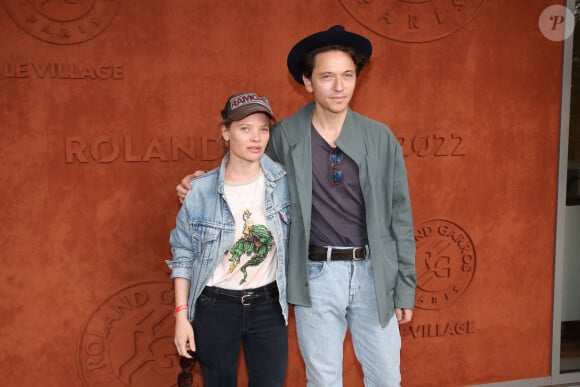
(106, 104)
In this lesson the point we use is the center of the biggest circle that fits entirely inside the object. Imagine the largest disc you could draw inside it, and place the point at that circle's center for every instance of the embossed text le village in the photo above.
(53, 70)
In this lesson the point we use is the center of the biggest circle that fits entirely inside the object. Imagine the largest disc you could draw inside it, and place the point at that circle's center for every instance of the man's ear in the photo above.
(307, 83)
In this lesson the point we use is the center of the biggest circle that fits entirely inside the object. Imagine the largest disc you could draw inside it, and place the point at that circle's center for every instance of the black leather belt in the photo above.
(244, 297)
(319, 253)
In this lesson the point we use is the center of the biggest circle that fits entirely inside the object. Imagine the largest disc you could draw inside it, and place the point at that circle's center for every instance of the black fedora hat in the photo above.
(335, 35)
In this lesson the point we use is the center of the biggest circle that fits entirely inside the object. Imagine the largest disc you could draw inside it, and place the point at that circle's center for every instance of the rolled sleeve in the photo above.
(181, 247)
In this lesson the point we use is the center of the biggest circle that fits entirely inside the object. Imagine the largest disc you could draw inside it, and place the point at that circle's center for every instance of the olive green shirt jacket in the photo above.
(383, 180)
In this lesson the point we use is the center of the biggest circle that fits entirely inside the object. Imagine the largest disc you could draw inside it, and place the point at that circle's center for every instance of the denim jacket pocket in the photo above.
(205, 236)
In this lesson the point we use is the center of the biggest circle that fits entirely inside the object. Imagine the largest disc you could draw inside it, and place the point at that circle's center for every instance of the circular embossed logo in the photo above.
(128, 339)
(556, 23)
(62, 21)
(445, 263)
(413, 20)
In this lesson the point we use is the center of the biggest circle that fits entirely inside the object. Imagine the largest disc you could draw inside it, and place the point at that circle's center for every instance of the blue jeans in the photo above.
(343, 296)
(221, 326)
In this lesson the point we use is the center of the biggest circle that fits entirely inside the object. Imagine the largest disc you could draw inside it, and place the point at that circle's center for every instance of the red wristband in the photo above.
(179, 308)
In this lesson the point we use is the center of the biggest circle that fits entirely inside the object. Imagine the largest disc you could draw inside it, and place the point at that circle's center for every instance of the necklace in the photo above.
(247, 213)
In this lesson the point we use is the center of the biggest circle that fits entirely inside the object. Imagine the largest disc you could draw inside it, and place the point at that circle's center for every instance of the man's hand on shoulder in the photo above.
(185, 185)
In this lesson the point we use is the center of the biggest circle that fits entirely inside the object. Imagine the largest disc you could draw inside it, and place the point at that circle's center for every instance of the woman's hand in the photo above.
(184, 340)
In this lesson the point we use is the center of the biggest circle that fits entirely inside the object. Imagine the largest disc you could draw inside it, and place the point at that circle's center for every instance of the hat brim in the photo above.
(244, 111)
(335, 35)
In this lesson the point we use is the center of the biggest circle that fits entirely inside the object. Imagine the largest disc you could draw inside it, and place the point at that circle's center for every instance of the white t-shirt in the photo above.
(252, 238)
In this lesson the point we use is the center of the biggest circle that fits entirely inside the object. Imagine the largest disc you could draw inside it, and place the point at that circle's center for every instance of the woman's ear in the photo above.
(226, 135)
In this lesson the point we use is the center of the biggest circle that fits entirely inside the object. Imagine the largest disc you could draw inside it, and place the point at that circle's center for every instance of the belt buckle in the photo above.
(245, 297)
(354, 258)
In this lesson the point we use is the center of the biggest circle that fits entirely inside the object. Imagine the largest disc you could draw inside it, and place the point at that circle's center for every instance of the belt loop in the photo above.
(329, 254)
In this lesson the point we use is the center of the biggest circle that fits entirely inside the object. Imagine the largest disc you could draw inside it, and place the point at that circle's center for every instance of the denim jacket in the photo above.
(205, 229)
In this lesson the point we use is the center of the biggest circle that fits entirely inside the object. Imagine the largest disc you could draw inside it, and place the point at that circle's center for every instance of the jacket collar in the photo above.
(349, 140)
(272, 171)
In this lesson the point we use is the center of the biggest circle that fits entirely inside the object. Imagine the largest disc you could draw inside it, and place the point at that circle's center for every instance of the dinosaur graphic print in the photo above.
(256, 242)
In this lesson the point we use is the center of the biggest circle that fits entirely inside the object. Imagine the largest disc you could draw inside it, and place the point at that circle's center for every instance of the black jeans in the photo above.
(220, 326)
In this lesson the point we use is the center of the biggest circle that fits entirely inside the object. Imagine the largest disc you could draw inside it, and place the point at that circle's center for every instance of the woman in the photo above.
(229, 254)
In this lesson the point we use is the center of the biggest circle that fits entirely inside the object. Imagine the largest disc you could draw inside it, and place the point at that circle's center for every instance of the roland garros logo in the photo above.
(413, 20)
(445, 263)
(128, 339)
(62, 21)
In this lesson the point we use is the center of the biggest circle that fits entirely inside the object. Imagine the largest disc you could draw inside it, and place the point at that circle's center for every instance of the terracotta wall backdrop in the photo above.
(106, 104)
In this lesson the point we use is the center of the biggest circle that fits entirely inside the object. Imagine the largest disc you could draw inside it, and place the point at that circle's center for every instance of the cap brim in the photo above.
(244, 111)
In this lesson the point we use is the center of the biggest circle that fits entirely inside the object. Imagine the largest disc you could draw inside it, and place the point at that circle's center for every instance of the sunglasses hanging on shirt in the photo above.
(335, 175)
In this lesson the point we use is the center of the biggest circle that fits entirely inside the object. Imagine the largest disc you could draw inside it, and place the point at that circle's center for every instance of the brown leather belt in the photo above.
(319, 253)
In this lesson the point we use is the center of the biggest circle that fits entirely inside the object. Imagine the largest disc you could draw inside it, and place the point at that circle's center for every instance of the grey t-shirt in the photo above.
(338, 212)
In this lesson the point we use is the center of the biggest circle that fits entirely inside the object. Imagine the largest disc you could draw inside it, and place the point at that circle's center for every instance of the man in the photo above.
(351, 245)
